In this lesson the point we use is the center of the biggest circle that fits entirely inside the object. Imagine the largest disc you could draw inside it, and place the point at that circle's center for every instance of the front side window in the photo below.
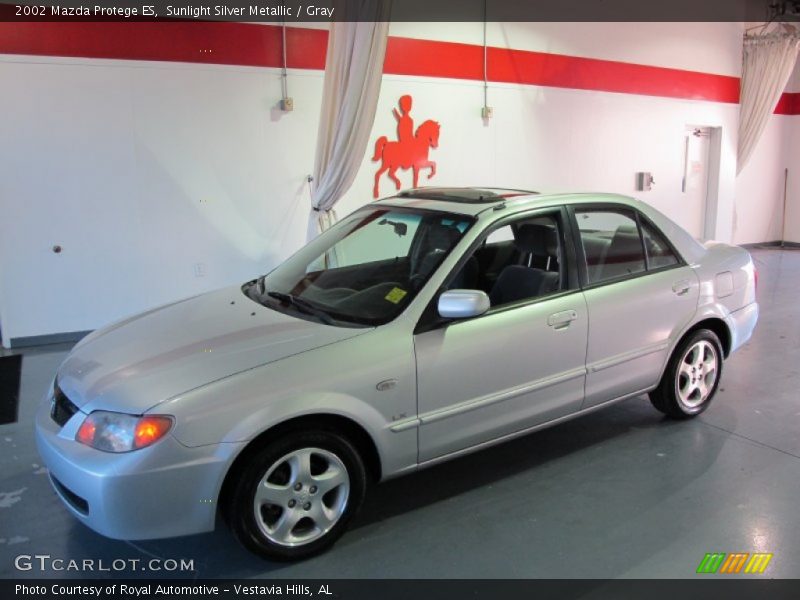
(611, 243)
(364, 270)
(519, 261)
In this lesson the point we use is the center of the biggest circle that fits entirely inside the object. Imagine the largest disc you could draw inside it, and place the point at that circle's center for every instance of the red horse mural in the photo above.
(410, 151)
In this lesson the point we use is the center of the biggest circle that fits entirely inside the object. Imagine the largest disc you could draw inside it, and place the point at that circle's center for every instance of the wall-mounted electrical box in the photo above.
(287, 104)
(644, 181)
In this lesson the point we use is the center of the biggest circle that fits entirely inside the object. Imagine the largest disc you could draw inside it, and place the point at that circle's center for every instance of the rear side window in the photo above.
(611, 243)
(659, 253)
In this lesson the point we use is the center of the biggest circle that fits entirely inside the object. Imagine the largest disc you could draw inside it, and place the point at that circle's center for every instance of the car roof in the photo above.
(476, 200)
(488, 203)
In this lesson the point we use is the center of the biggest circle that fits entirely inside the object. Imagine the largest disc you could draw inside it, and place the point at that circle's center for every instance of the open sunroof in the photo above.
(464, 195)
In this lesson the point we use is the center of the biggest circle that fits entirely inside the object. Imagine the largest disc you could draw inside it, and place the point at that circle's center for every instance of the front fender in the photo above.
(340, 379)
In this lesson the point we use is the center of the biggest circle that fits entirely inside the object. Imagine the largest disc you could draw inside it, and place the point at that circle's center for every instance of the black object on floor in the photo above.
(10, 371)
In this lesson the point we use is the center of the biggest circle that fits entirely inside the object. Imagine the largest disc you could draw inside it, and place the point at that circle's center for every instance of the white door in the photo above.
(691, 209)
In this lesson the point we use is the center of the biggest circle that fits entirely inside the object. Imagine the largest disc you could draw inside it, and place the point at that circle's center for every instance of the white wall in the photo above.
(553, 139)
(140, 171)
(760, 186)
(792, 161)
(143, 170)
(758, 213)
(550, 139)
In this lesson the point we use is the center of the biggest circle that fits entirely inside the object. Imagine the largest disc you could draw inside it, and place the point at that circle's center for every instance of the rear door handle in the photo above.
(561, 320)
(681, 287)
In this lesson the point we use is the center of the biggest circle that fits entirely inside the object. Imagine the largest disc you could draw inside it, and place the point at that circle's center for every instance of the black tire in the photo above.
(239, 509)
(666, 397)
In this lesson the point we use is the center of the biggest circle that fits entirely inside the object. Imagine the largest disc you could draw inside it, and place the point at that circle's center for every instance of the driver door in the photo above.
(519, 365)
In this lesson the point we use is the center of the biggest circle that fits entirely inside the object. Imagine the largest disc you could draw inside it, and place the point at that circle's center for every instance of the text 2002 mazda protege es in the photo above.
(418, 328)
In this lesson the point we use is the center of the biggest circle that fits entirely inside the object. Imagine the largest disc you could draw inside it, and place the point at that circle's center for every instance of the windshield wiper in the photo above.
(303, 305)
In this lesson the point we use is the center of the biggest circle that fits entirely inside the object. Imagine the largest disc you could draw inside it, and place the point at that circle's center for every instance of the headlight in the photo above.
(118, 432)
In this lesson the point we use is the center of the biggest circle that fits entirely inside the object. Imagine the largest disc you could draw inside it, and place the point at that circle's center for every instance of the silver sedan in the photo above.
(417, 329)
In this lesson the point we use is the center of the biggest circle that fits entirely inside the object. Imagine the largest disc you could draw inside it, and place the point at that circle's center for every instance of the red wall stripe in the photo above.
(260, 46)
(427, 58)
(209, 42)
(556, 70)
(464, 61)
(789, 104)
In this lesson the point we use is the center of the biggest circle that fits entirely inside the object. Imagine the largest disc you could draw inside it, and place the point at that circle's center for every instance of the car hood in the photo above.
(137, 363)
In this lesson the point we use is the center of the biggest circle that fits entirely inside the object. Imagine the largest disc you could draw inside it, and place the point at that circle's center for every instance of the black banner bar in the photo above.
(712, 586)
(298, 11)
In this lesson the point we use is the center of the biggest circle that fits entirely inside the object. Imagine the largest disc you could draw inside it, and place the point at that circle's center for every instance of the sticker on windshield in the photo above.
(395, 295)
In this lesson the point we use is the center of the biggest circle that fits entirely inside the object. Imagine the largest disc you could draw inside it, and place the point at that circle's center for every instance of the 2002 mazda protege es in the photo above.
(416, 329)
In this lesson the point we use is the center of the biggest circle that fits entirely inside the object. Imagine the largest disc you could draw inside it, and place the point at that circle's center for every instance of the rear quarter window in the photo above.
(659, 253)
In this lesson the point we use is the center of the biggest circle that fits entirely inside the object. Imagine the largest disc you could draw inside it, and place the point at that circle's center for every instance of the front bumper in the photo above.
(165, 490)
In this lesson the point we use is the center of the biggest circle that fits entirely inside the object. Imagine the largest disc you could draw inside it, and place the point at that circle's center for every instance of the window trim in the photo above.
(680, 260)
(430, 320)
(639, 218)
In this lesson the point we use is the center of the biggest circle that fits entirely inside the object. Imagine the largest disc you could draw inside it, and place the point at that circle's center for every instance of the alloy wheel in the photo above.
(697, 374)
(301, 496)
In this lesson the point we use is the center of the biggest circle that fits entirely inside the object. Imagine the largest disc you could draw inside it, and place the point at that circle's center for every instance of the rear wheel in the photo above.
(296, 496)
(692, 376)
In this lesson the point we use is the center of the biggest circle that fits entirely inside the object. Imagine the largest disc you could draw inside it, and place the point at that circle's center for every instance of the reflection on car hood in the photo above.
(137, 363)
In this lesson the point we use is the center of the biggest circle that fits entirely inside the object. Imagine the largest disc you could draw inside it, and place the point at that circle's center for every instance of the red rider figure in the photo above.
(405, 124)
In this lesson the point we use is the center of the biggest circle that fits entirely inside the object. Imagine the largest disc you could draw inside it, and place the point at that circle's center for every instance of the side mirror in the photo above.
(461, 304)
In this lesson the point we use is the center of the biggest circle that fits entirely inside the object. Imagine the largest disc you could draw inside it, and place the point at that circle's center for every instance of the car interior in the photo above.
(375, 290)
(514, 262)
(612, 254)
(517, 261)
(613, 246)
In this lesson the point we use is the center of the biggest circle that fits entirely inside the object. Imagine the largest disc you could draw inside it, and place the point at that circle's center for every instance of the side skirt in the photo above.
(514, 435)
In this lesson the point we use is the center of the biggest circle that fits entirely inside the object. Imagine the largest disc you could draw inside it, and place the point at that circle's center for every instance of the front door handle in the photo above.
(561, 320)
(681, 287)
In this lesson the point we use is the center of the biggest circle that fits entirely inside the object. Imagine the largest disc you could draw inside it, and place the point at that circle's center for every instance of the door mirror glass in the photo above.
(461, 304)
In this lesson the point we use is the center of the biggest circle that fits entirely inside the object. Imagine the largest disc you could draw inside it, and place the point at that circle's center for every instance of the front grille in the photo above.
(75, 501)
(62, 409)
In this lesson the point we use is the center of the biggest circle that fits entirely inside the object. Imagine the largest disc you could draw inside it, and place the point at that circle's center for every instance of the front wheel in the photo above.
(296, 496)
(692, 376)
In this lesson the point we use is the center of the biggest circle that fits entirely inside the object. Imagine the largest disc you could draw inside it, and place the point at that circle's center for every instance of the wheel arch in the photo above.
(713, 323)
(718, 326)
(331, 422)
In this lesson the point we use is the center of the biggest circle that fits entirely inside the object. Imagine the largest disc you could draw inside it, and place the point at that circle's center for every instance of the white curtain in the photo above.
(353, 70)
(768, 62)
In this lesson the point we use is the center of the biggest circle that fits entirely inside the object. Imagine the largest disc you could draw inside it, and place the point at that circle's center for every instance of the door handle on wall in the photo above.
(681, 287)
(561, 320)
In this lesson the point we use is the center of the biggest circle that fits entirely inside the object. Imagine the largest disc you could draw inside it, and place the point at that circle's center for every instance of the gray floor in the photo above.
(620, 493)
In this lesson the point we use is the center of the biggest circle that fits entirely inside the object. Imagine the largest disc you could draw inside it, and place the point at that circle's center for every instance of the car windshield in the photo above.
(364, 270)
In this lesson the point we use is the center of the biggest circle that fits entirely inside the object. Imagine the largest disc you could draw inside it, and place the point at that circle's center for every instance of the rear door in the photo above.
(639, 295)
